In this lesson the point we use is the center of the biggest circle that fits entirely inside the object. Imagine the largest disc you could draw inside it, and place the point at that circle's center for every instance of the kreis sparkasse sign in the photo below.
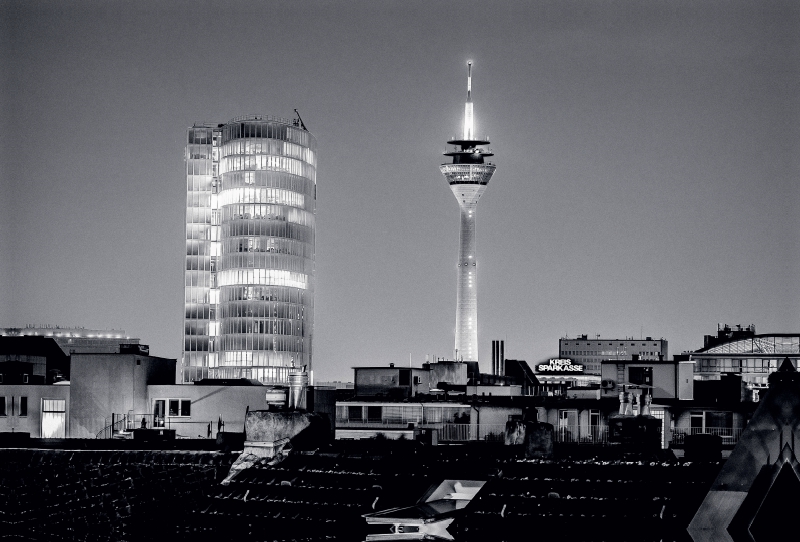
(558, 365)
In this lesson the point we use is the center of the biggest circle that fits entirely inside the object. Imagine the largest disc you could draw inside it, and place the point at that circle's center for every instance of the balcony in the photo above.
(730, 435)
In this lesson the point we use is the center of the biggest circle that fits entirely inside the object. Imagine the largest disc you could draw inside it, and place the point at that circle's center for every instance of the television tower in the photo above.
(468, 176)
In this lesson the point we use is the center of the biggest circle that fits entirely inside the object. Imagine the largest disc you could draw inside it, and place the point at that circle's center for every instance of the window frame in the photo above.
(181, 404)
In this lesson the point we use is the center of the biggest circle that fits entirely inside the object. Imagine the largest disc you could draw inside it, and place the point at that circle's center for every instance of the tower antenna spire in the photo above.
(469, 126)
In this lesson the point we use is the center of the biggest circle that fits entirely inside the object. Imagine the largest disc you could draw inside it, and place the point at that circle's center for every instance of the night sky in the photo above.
(646, 184)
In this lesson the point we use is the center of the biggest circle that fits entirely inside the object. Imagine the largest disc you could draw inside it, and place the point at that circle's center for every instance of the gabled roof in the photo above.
(765, 448)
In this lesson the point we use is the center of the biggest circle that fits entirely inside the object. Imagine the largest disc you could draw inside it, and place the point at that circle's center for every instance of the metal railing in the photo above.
(581, 434)
(730, 435)
(124, 424)
(462, 432)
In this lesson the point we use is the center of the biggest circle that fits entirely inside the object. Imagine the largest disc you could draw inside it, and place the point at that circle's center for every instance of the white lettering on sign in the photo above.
(560, 365)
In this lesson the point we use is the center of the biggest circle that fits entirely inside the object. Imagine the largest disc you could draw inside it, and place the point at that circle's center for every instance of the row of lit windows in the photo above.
(267, 277)
(200, 295)
(287, 230)
(265, 162)
(609, 353)
(248, 356)
(736, 365)
(267, 375)
(249, 313)
(268, 179)
(468, 173)
(198, 198)
(429, 413)
(282, 262)
(269, 327)
(199, 365)
(203, 247)
(198, 215)
(262, 309)
(201, 136)
(266, 129)
(203, 232)
(250, 147)
(275, 196)
(200, 167)
(198, 343)
(618, 343)
(201, 327)
(269, 244)
(267, 212)
(202, 183)
(201, 263)
(198, 279)
(203, 311)
(281, 294)
(196, 151)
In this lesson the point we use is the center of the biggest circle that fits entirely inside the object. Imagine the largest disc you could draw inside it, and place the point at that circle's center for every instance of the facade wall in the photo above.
(104, 384)
(209, 404)
(32, 422)
(665, 377)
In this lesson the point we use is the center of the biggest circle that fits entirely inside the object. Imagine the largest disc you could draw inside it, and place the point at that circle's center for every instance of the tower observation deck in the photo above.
(468, 175)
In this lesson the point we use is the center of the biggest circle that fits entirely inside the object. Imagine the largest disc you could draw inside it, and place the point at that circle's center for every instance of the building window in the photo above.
(641, 375)
(374, 413)
(54, 414)
(3, 406)
(178, 408)
(405, 377)
(23, 406)
(354, 413)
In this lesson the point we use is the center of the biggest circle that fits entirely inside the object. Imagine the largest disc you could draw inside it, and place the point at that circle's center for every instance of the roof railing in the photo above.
(241, 118)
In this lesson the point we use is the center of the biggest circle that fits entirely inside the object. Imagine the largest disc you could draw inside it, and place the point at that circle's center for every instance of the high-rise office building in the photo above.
(249, 288)
(468, 176)
(591, 352)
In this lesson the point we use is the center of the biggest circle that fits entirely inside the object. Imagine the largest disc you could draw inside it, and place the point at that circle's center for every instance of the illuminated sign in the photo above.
(560, 366)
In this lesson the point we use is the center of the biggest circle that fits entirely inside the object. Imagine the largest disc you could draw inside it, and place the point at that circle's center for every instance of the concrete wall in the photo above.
(32, 423)
(209, 405)
(104, 384)
(483, 416)
(501, 391)
(665, 376)
(686, 380)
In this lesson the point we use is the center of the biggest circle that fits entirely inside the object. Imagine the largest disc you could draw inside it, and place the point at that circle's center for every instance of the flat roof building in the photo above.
(739, 350)
(75, 340)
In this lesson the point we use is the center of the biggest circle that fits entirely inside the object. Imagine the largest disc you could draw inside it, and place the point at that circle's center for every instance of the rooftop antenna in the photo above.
(299, 118)
(468, 121)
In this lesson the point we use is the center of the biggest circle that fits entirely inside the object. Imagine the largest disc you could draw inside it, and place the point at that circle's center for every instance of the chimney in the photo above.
(625, 403)
(298, 385)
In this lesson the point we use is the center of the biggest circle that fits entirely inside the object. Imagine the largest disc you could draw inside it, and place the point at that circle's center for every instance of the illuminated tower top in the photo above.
(470, 151)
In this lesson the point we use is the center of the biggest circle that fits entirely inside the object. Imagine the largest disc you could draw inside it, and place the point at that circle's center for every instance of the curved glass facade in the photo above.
(252, 305)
